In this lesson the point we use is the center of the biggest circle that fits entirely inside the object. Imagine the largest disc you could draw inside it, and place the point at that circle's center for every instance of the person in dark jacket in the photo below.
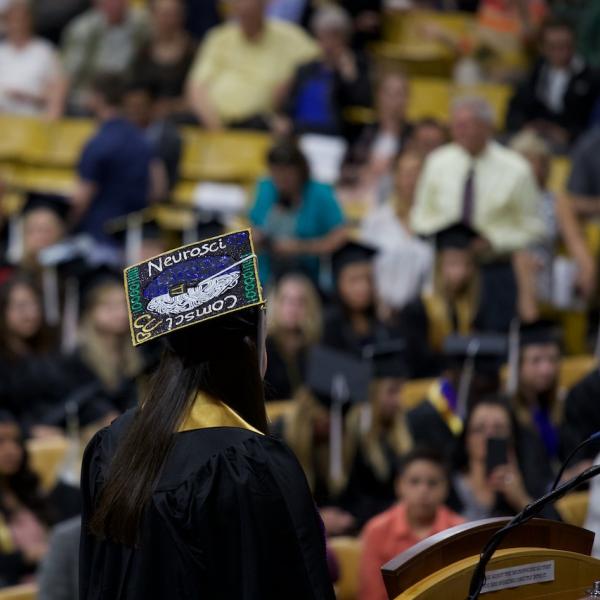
(558, 97)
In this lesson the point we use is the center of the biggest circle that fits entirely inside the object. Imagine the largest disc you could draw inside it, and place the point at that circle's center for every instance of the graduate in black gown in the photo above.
(352, 323)
(188, 496)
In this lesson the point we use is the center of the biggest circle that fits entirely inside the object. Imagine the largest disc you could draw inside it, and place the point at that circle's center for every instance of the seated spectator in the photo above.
(104, 361)
(403, 262)
(558, 96)
(560, 224)
(583, 185)
(324, 88)
(142, 108)
(296, 220)
(117, 173)
(165, 61)
(242, 68)
(32, 81)
(306, 430)
(378, 145)
(107, 37)
(505, 489)
(44, 223)
(376, 435)
(426, 136)
(26, 512)
(30, 379)
(294, 327)
(352, 323)
(452, 304)
(421, 488)
(581, 417)
(476, 181)
(537, 404)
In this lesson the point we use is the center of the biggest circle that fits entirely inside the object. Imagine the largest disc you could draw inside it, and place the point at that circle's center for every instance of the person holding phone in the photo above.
(499, 467)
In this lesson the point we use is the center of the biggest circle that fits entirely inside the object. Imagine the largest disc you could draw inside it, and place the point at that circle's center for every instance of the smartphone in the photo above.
(497, 453)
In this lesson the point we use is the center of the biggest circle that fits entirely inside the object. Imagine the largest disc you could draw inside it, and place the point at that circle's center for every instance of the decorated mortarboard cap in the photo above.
(540, 332)
(350, 253)
(192, 284)
(458, 236)
(389, 359)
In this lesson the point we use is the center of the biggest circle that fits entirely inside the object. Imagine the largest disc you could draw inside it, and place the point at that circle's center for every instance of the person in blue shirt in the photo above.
(117, 172)
(296, 220)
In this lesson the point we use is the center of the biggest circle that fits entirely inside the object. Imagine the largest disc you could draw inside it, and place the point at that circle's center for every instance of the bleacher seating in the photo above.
(347, 551)
(27, 591)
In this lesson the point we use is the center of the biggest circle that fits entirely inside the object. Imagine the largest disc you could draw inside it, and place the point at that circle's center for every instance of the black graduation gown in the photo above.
(429, 429)
(231, 518)
(283, 379)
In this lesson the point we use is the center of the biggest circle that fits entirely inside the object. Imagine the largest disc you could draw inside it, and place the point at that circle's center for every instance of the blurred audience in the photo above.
(427, 135)
(422, 488)
(117, 173)
(559, 94)
(583, 185)
(163, 64)
(324, 88)
(32, 81)
(107, 37)
(296, 220)
(403, 263)
(295, 324)
(243, 67)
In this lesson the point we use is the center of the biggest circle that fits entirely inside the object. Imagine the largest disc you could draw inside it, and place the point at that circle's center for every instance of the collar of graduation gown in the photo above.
(209, 412)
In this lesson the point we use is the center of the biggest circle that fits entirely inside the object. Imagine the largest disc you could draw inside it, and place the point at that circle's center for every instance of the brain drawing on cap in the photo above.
(186, 286)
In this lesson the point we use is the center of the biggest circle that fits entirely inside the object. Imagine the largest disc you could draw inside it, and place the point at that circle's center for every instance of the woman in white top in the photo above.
(403, 263)
(31, 77)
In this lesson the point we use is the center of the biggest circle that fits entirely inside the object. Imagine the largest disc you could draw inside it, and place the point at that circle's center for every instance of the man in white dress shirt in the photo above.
(476, 181)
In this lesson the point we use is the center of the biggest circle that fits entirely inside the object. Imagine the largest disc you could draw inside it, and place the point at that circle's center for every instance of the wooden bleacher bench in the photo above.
(28, 591)
(46, 457)
(347, 552)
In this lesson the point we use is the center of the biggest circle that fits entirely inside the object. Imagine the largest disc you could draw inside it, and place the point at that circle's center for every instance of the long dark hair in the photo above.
(220, 357)
(42, 341)
(24, 483)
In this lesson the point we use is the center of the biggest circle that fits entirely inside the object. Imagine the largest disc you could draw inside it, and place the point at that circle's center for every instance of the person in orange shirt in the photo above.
(422, 487)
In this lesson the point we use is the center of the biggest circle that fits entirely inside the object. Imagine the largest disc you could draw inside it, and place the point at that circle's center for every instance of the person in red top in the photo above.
(422, 487)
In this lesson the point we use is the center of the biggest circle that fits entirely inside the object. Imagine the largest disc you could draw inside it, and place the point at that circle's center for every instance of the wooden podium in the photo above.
(540, 559)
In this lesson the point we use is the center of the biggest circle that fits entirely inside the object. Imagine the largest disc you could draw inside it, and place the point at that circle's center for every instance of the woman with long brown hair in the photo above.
(188, 495)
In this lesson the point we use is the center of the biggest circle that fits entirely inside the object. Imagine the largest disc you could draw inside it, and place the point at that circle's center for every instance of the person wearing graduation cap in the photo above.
(352, 323)
(537, 402)
(451, 305)
(376, 435)
(188, 494)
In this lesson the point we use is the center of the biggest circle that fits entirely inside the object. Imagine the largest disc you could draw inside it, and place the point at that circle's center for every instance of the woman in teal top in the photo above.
(296, 220)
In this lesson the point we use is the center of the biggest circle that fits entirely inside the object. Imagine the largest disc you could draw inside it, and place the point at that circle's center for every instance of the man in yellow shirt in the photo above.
(242, 67)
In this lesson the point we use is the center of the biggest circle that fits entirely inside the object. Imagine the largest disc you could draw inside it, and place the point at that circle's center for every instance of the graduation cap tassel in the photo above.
(134, 238)
(466, 378)
(14, 251)
(70, 469)
(70, 315)
(512, 381)
(51, 296)
(339, 396)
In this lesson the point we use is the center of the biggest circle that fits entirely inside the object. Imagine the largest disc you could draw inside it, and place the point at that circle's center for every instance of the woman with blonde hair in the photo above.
(376, 436)
(294, 327)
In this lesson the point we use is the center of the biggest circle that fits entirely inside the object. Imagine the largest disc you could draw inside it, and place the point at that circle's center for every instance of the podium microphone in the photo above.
(593, 438)
(530, 511)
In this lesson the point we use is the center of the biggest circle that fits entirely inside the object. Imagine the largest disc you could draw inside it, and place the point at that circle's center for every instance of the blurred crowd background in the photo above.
(422, 179)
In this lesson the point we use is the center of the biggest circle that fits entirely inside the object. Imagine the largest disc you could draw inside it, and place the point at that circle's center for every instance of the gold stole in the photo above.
(440, 321)
(440, 403)
(209, 412)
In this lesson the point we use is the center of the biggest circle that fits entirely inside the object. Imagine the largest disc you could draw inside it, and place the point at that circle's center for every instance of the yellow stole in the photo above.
(209, 412)
(440, 323)
(439, 402)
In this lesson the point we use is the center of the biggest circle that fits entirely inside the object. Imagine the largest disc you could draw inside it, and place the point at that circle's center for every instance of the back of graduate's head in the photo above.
(221, 358)
(422, 482)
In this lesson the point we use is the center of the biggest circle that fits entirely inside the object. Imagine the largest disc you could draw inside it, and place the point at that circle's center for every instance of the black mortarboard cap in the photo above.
(389, 359)
(332, 373)
(458, 236)
(59, 205)
(350, 253)
(538, 333)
